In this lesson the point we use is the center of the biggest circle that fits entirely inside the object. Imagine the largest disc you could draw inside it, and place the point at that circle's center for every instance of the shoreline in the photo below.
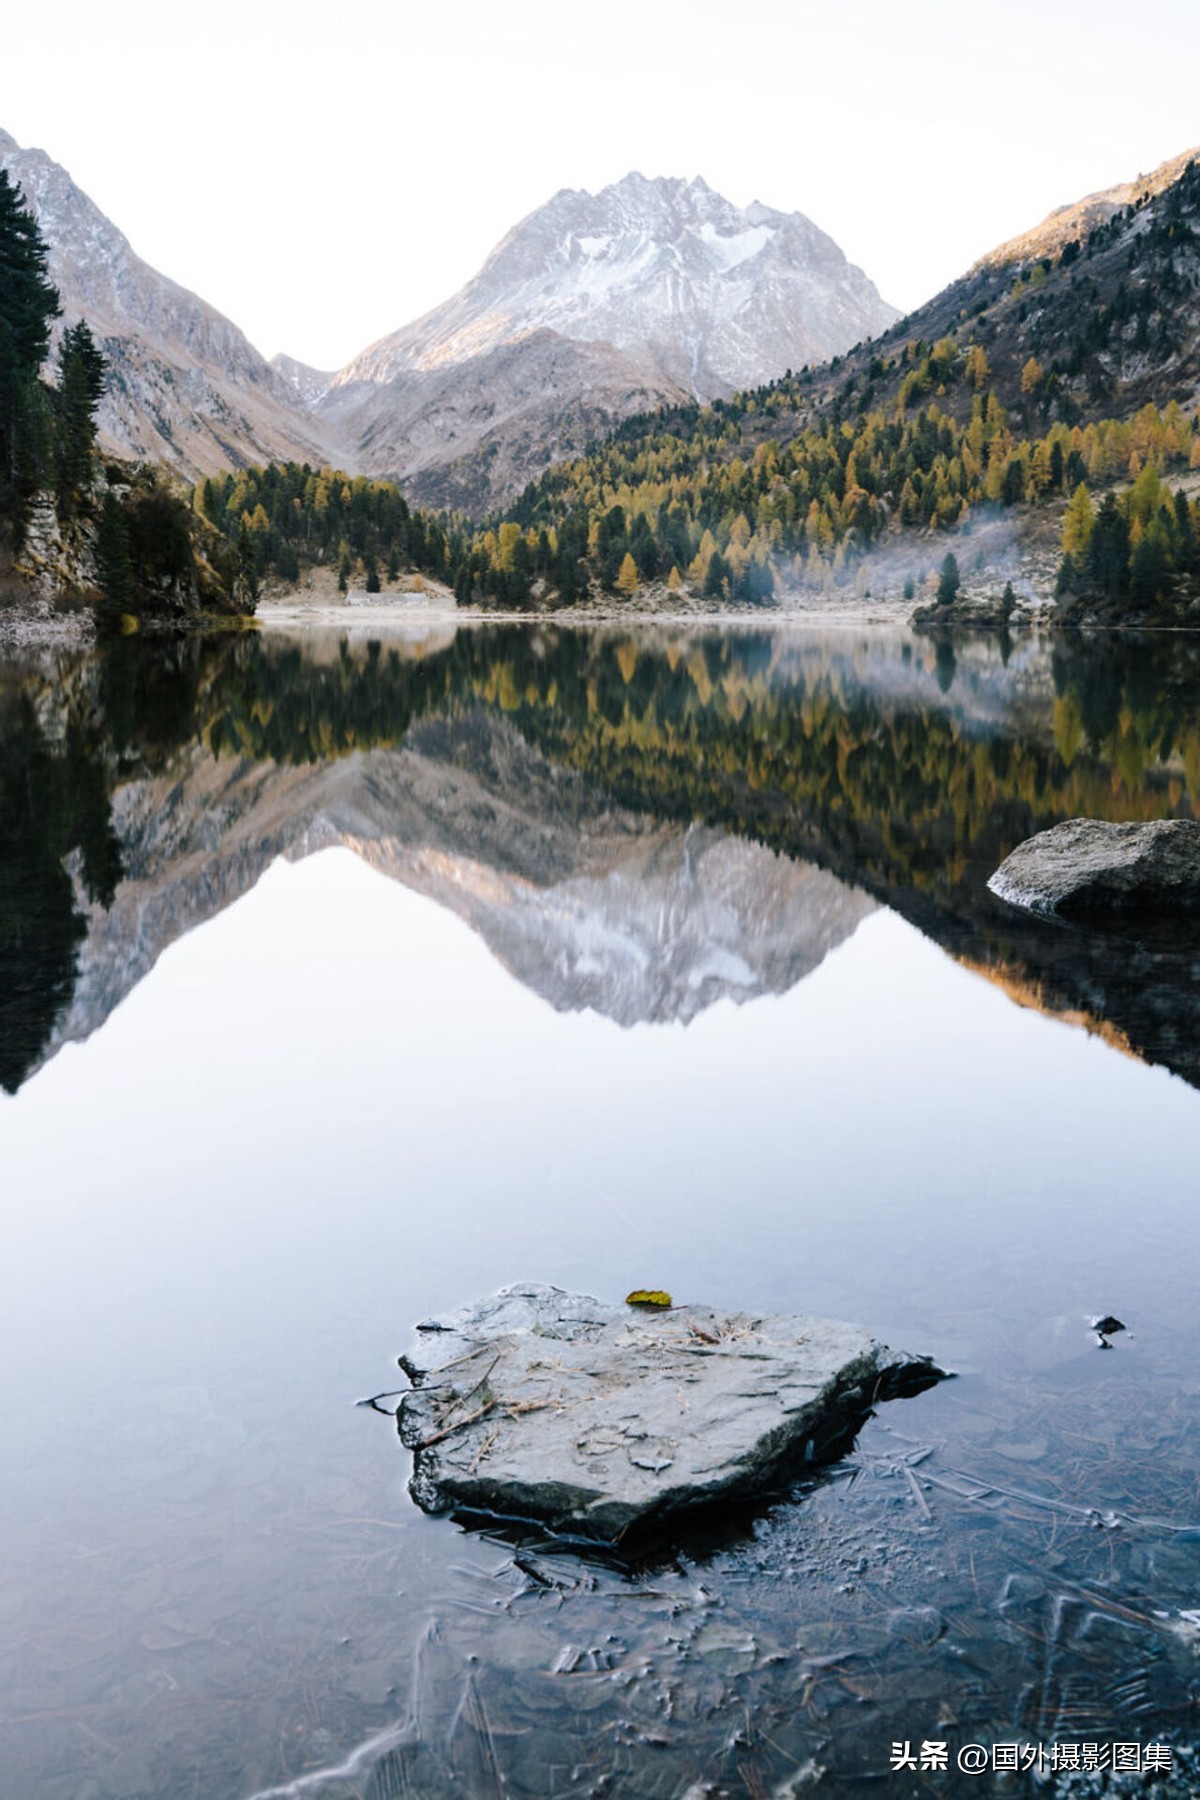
(391, 610)
(38, 624)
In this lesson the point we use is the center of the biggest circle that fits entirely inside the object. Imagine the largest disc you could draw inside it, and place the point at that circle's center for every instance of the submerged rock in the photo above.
(1087, 867)
(599, 1419)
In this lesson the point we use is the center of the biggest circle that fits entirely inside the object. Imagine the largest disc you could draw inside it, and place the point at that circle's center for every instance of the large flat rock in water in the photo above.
(1090, 868)
(598, 1418)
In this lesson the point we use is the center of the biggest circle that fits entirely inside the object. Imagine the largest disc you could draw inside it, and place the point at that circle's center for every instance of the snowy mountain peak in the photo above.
(699, 292)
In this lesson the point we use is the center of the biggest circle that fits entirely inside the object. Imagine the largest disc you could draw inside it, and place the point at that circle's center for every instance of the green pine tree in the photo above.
(81, 381)
(28, 304)
(113, 563)
(247, 565)
(949, 580)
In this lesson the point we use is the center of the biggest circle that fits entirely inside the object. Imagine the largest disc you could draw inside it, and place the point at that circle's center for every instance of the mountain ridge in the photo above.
(1107, 310)
(1079, 217)
(609, 267)
(592, 308)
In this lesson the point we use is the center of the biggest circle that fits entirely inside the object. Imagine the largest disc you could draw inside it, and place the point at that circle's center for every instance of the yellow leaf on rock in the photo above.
(648, 1297)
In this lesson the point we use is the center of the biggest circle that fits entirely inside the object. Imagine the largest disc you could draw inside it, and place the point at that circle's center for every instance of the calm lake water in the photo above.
(342, 982)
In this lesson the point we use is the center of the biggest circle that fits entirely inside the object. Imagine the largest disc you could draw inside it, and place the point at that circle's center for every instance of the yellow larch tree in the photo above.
(628, 578)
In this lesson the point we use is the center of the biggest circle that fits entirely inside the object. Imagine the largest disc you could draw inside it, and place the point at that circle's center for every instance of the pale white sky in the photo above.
(324, 173)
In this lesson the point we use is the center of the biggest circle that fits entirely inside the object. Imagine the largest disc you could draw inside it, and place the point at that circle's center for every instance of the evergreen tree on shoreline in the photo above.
(113, 563)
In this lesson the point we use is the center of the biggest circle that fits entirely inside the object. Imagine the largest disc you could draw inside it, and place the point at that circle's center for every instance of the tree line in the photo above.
(289, 515)
(693, 506)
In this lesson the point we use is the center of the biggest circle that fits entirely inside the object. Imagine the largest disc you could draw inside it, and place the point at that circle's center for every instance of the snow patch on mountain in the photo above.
(731, 248)
(309, 385)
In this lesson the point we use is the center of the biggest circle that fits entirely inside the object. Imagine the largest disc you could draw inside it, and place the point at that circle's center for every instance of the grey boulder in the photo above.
(599, 1419)
(1089, 868)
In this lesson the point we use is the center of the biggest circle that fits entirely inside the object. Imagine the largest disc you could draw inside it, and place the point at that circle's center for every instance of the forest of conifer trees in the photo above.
(710, 505)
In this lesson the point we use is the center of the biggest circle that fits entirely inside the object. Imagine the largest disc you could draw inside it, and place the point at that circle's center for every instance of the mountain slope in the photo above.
(1104, 296)
(593, 308)
(472, 435)
(186, 387)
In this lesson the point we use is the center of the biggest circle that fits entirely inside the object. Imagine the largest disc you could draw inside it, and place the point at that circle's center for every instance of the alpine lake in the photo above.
(349, 975)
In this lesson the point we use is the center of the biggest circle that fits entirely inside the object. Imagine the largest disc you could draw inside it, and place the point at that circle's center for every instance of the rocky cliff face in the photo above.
(186, 387)
(595, 307)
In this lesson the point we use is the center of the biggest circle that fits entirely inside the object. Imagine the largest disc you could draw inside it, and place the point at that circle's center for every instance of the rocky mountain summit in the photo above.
(595, 307)
(703, 294)
(186, 387)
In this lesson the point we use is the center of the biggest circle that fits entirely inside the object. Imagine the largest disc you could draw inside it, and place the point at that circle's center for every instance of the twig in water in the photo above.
(373, 1400)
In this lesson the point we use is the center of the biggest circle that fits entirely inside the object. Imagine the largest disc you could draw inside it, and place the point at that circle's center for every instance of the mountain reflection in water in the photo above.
(331, 1112)
(640, 824)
